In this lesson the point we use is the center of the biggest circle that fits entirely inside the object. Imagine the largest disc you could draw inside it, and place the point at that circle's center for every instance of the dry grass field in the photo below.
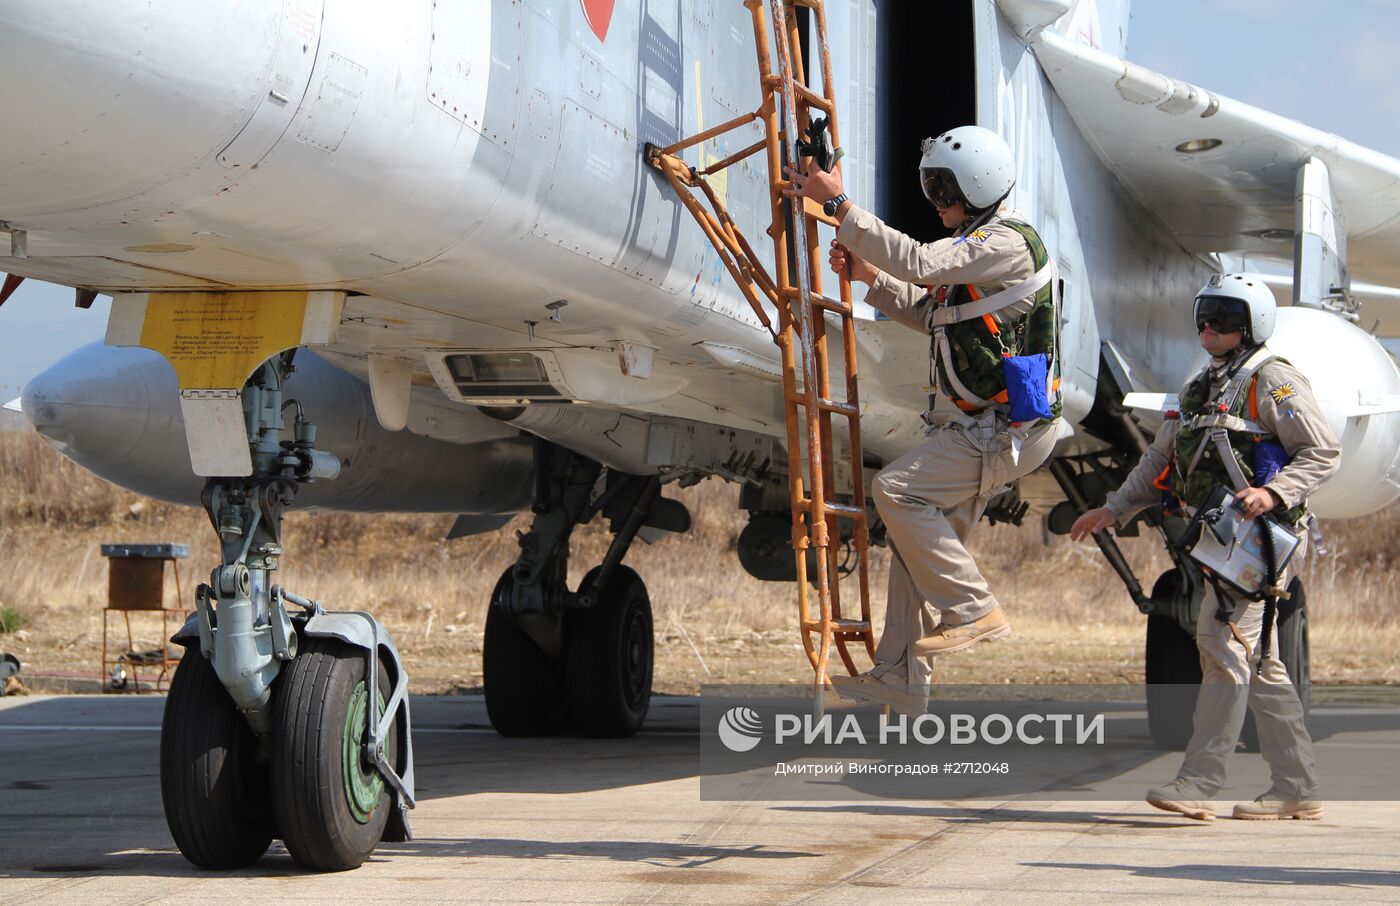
(1073, 621)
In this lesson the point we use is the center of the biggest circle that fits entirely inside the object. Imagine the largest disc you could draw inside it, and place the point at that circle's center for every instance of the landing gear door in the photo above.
(1320, 249)
(215, 341)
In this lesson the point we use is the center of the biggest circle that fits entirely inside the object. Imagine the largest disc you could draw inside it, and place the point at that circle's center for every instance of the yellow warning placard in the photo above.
(218, 339)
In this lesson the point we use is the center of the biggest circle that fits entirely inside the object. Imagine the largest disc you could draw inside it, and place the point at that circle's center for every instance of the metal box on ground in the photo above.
(136, 585)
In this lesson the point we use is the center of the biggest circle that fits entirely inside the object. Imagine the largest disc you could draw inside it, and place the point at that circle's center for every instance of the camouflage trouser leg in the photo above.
(1229, 681)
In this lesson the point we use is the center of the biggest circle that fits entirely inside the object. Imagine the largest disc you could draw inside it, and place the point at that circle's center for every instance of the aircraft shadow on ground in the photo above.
(660, 854)
(452, 764)
(277, 863)
(1295, 875)
(956, 815)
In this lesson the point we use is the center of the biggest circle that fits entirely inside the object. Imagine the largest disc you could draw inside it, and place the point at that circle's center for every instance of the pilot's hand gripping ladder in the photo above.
(794, 291)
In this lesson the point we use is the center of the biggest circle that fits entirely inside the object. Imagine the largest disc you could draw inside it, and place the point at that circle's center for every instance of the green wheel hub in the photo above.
(363, 783)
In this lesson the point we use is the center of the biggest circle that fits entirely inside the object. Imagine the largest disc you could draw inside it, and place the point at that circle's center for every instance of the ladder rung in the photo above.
(820, 301)
(812, 209)
(846, 409)
(839, 625)
(836, 305)
(835, 509)
(812, 98)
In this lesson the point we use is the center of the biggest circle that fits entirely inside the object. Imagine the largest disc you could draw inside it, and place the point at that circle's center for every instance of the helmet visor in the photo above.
(1222, 313)
(941, 187)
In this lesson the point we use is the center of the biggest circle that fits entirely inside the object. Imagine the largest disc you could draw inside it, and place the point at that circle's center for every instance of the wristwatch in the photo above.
(834, 205)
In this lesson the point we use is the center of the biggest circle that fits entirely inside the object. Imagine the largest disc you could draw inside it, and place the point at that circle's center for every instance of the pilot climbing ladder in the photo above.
(791, 112)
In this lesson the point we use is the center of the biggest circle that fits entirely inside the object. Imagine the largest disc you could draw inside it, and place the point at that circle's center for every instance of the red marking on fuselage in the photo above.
(599, 16)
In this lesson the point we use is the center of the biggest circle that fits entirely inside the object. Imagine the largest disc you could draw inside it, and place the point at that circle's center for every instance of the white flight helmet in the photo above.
(975, 162)
(1240, 302)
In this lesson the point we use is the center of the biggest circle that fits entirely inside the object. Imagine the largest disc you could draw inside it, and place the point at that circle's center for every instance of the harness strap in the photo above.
(944, 315)
(1227, 421)
(1221, 423)
(1242, 378)
(1221, 438)
(945, 352)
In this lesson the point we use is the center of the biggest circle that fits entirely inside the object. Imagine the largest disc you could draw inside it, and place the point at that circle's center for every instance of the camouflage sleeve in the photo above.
(988, 257)
(1137, 491)
(1288, 410)
(903, 302)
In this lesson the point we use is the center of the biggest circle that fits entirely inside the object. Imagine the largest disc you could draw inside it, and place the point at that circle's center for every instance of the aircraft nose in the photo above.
(94, 402)
(103, 101)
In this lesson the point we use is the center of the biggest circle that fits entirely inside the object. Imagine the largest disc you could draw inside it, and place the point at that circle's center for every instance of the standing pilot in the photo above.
(1263, 402)
(987, 298)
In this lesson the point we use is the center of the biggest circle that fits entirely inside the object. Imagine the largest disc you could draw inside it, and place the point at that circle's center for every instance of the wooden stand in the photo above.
(136, 584)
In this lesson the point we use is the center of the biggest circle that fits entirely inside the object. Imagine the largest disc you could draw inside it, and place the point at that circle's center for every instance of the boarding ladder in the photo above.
(788, 109)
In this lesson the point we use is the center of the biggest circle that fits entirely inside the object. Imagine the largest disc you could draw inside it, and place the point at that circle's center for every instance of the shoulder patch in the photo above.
(978, 236)
(1282, 392)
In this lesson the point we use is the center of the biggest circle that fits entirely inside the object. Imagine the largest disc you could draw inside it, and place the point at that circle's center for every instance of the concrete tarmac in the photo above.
(620, 821)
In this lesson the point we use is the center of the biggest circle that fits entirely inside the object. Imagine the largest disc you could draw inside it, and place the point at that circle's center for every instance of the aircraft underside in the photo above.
(478, 298)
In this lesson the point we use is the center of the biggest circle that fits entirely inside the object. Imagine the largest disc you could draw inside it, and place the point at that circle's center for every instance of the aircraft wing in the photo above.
(1237, 195)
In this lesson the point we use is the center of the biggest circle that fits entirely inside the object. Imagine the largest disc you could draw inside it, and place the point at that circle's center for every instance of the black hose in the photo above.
(1270, 597)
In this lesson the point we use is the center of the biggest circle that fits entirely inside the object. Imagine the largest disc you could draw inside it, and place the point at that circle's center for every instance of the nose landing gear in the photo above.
(270, 728)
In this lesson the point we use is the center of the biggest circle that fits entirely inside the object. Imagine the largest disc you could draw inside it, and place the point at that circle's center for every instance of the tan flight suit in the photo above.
(931, 497)
(1289, 411)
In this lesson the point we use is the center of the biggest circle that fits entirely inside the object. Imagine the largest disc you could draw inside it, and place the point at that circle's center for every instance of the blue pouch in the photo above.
(1027, 380)
(1269, 458)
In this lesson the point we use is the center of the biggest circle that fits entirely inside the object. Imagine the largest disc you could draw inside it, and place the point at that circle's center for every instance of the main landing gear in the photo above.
(280, 723)
(558, 660)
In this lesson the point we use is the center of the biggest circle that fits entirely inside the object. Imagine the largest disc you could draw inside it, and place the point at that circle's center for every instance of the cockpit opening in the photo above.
(926, 70)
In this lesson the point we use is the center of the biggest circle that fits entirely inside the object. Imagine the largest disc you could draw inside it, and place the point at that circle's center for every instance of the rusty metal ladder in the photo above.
(795, 292)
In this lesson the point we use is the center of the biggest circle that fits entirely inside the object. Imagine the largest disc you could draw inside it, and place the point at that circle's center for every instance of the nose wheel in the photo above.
(213, 777)
(330, 802)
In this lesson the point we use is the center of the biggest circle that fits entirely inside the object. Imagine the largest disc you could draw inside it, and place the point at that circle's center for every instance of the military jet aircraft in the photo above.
(411, 257)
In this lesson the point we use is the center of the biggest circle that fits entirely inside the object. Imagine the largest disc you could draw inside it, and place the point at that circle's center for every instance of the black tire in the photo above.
(1173, 672)
(325, 826)
(525, 693)
(216, 796)
(1293, 649)
(1293, 644)
(609, 655)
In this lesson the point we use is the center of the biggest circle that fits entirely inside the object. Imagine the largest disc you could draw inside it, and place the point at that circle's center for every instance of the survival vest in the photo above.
(966, 334)
(1219, 437)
